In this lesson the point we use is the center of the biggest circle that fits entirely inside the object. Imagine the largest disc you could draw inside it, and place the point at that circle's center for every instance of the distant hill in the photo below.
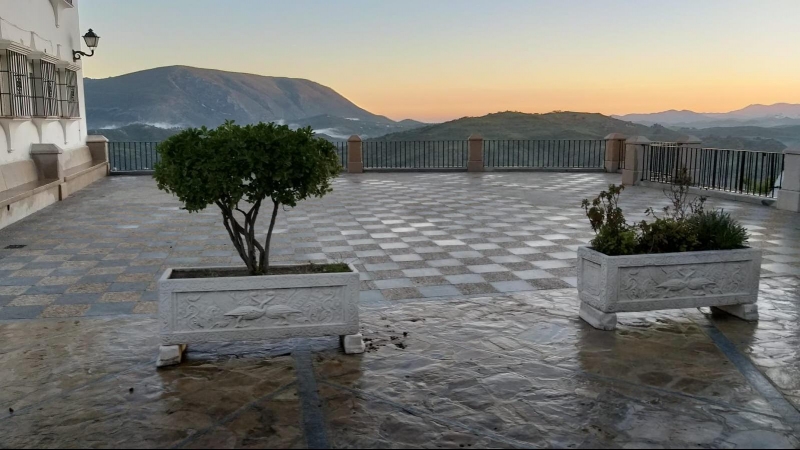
(136, 133)
(778, 114)
(742, 143)
(515, 125)
(789, 136)
(180, 96)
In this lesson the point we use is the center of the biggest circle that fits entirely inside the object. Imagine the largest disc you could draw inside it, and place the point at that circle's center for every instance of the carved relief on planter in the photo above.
(252, 308)
(591, 280)
(612, 284)
(694, 280)
(258, 309)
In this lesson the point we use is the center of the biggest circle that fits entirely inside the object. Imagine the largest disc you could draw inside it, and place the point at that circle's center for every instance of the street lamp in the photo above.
(91, 40)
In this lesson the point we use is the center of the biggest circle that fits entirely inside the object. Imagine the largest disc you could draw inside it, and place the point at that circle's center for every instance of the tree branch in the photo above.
(264, 263)
(233, 227)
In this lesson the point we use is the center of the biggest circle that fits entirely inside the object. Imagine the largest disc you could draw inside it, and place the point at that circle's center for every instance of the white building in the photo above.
(44, 150)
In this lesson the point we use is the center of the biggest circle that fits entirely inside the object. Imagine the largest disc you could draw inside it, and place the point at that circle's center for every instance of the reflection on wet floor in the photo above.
(518, 370)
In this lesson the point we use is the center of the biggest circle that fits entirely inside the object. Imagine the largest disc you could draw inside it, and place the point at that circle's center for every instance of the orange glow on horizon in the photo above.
(435, 61)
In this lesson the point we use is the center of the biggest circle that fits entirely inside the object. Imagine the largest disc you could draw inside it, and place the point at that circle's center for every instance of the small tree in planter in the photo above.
(238, 169)
(254, 164)
(685, 257)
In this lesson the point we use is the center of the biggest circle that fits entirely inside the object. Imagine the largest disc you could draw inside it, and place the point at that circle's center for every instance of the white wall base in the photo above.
(789, 200)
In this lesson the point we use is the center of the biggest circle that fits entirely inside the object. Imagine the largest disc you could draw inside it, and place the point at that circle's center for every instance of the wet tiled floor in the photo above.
(511, 371)
(467, 308)
(410, 235)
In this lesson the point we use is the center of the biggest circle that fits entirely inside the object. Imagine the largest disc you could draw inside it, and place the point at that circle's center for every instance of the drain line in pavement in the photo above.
(311, 404)
(753, 376)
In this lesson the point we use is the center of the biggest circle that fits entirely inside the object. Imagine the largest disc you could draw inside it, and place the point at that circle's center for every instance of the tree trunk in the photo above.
(243, 237)
(265, 255)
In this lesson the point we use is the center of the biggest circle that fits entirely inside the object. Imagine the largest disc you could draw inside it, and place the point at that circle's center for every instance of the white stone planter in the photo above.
(725, 279)
(223, 309)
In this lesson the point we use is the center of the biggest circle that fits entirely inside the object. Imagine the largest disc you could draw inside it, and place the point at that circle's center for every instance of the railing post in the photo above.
(634, 160)
(789, 194)
(689, 149)
(355, 162)
(615, 146)
(98, 147)
(475, 161)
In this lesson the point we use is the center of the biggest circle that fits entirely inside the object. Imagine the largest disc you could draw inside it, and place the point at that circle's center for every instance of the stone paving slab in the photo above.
(411, 236)
(506, 371)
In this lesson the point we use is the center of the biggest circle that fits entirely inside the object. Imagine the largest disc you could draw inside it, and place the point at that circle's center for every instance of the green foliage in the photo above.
(233, 164)
(683, 226)
(615, 242)
(666, 235)
(680, 206)
(613, 235)
(717, 230)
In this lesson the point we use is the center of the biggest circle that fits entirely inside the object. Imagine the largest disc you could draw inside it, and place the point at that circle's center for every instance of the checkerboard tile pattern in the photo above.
(411, 235)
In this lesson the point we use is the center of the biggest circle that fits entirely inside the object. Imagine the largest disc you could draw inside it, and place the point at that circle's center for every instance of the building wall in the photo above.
(32, 23)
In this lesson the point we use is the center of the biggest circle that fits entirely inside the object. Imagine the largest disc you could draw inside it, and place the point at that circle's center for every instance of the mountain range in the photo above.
(180, 97)
(778, 114)
(151, 105)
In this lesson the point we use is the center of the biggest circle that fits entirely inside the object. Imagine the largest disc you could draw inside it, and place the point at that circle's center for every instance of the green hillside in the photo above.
(790, 136)
(515, 125)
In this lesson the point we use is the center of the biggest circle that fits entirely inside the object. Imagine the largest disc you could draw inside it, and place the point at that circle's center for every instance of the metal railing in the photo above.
(341, 150)
(622, 153)
(739, 171)
(544, 154)
(131, 157)
(415, 154)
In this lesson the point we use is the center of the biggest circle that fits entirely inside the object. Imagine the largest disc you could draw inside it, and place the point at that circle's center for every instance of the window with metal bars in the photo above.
(43, 81)
(15, 90)
(68, 94)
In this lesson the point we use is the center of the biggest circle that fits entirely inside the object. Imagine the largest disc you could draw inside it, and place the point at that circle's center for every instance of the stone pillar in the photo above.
(634, 160)
(475, 161)
(615, 147)
(355, 161)
(789, 194)
(689, 156)
(49, 161)
(98, 147)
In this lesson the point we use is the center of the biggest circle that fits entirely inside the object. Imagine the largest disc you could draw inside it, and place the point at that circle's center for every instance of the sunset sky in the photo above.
(444, 59)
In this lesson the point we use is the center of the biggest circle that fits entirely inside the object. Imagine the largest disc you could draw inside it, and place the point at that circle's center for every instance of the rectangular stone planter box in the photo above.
(247, 308)
(726, 279)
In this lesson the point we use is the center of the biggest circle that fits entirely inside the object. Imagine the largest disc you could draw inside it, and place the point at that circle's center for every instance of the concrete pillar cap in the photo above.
(354, 138)
(791, 151)
(615, 136)
(475, 137)
(46, 149)
(638, 140)
(689, 139)
(96, 138)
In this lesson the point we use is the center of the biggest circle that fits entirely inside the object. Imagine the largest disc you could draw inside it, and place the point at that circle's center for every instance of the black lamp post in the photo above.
(91, 40)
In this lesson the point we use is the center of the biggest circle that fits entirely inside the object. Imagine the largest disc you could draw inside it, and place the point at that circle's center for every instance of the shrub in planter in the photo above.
(239, 169)
(682, 226)
(682, 257)
(717, 230)
(614, 235)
